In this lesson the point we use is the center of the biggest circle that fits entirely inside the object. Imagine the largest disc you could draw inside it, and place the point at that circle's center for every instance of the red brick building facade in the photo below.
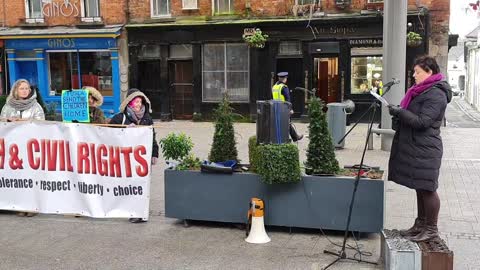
(66, 44)
(185, 53)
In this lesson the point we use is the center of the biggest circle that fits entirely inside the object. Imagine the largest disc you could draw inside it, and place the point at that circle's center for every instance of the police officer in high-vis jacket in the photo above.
(281, 92)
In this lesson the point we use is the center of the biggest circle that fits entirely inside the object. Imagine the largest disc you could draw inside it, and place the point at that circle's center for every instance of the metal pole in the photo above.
(394, 56)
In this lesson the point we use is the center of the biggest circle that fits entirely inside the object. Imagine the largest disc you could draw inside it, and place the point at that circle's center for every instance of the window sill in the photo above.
(190, 9)
(27, 22)
(34, 20)
(374, 6)
(158, 19)
(91, 19)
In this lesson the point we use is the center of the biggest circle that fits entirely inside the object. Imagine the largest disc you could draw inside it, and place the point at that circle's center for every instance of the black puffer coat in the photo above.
(417, 147)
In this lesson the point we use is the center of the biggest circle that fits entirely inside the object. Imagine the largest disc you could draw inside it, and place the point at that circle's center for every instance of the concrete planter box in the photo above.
(314, 202)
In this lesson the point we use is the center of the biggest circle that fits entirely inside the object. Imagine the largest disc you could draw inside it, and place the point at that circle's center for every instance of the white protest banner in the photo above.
(59, 168)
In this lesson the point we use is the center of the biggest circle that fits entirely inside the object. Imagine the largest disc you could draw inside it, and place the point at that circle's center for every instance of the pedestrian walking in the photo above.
(417, 148)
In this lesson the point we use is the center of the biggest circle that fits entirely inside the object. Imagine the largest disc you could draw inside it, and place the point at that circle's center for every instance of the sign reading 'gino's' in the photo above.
(55, 9)
(61, 43)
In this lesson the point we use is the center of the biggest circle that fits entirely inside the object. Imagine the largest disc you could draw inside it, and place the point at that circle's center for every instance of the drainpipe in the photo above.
(4, 13)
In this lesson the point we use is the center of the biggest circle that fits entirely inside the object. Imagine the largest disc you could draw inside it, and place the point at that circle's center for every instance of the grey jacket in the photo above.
(35, 112)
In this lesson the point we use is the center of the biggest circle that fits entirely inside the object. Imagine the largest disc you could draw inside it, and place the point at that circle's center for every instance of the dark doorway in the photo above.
(295, 79)
(326, 79)
(149, 83)
(181, 88)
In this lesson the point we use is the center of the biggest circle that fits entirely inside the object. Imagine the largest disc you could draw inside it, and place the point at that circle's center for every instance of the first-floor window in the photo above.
(73, 70)
(222, 6)
(91, 8)
(160, 8)
(34, 9)
(226, 70)
(189, 4)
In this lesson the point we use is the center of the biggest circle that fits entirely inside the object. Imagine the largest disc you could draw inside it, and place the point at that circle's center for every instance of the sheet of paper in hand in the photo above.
(377, 96)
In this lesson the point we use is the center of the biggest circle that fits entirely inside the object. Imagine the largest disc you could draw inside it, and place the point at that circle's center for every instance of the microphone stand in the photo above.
(342, 255)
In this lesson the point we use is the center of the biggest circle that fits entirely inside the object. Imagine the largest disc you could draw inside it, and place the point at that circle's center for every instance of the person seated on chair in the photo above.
(281, 92)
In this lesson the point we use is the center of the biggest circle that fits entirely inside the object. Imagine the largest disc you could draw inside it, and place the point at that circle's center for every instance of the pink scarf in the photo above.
(417, 89)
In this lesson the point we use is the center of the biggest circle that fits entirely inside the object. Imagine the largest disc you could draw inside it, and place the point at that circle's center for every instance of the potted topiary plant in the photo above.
(224, 145)
(321, 158)
(255, 40)
(414, 39)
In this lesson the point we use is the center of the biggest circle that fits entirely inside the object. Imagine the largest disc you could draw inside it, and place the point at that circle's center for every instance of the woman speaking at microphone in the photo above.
(417, 147)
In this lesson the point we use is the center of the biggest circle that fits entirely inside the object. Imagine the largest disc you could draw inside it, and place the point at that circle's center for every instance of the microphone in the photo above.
(389, 84)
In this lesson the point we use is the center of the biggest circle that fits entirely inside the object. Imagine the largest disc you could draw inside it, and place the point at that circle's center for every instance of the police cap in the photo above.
(282, 74)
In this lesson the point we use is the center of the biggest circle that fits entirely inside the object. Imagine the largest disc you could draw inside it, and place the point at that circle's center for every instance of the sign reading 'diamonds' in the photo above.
(75, 106)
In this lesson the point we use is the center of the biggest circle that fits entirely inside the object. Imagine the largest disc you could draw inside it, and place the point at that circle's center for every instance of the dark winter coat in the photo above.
(146, 119)
(96, 115)
(417, 147)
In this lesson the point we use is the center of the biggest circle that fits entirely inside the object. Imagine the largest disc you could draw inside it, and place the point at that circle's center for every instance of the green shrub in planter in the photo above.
(176, 147)
(278, 163)
(189, 163)
(224, 144)
(253, 153)
(321, 151)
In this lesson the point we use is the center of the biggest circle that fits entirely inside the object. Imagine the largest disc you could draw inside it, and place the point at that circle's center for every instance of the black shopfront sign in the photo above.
(366, 42)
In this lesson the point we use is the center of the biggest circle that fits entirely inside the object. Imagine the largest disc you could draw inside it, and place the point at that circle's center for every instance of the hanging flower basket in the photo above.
(414, 39)
(256, 40)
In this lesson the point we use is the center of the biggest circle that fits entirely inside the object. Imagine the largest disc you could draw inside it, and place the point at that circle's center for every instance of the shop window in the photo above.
(91, 10)
(366, 73)
(73, 70)
(21, 55)
(226, 70)
(33, 11)
(290, 48)
(180, 51)
(189, 4)
(149, 51)
(223, 6)
(96, 71)
(160, 8)
(63, 67)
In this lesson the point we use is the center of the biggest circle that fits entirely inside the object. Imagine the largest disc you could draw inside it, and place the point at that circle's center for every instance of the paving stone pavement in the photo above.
(58, 242)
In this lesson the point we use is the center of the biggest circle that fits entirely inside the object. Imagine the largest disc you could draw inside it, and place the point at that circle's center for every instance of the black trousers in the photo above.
(293, 132)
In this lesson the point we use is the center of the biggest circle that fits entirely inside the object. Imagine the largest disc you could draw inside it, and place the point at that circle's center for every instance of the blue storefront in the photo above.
(53, 63)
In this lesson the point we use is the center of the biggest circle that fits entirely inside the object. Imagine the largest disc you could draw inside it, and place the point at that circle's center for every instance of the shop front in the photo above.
(57, 62)
(187, 68)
